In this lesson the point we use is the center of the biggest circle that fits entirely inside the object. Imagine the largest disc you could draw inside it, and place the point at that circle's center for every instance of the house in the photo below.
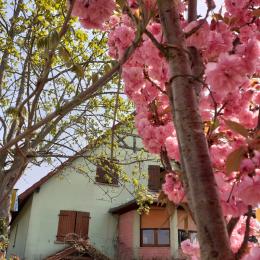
(86, 202)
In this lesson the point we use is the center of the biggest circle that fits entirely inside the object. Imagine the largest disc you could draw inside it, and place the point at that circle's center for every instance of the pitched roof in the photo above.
(26, 194)
(84, 247)
(132, 205)
(63, 253)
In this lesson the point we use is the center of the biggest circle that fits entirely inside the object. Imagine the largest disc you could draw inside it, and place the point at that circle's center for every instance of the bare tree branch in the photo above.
(77, 100)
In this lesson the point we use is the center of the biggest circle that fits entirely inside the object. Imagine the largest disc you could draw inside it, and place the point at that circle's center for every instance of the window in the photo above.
(156, 176)
(148, 236)
(185, 234)
(186, 226)
(155, 237)
(163, 236)
(155, 228)
(73, 222)
(106, 172)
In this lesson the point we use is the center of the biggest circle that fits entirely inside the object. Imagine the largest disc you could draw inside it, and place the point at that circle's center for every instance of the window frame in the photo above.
(155, 233)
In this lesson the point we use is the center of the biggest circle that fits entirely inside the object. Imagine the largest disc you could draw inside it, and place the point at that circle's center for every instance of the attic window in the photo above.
(106, 172)
(73, 223)
(156, 176)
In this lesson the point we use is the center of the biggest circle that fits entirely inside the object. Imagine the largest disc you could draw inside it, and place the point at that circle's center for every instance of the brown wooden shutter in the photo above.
(82, 224)
(100, 174)
(66, 224)
(106, 169)
(154, 177)
(114, 175)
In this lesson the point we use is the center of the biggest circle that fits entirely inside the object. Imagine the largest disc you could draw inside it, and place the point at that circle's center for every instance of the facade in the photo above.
(77, 199)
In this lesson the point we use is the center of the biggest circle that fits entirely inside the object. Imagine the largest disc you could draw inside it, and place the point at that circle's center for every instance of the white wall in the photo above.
(19, 231)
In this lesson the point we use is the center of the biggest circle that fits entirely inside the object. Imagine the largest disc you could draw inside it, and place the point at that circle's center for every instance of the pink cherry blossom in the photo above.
(247, 166)
(191, 249)
(254, 254)
(200, 38)
(256, 159)
(229, 51)
(250, 53)
(93, 13)
(249, 190)
(227, 74)
(171, 145)
(173, 188)
(219, 40)
(119, 39)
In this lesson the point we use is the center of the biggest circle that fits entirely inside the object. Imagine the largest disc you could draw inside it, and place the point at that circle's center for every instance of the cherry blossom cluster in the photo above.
(93, 13)
(229, 102)
(173, 188)
(192, 248)
(231, 60)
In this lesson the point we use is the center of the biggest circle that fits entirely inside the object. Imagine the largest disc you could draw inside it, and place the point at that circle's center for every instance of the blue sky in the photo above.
(35, 173)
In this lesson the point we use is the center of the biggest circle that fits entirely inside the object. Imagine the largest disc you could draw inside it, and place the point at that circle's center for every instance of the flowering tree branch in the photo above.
(198, 169)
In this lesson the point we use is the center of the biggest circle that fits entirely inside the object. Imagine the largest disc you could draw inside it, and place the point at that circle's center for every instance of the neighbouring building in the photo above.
(80, 199)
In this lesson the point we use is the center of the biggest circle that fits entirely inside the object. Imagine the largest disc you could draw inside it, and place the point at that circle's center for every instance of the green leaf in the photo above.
(135, 182)
(54, 39)
(94, 78)
(65, 56)
(107, 68)
(234, 159)
(121, 3)
(78, 69)
(42, 43)
(12, 111)
(236, 127)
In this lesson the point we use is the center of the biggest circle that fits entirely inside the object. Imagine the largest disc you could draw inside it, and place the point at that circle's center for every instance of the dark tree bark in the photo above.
(212, 232)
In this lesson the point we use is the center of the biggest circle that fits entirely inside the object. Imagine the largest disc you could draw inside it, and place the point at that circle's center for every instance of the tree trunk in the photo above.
(5, 218)
(5, 213)
(212, 233)
(8, 179)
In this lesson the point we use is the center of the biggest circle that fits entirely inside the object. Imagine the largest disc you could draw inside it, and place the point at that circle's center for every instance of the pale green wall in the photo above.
(73, 192)
(19, 230)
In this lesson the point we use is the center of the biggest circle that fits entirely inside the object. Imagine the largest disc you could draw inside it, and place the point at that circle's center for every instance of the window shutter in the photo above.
(154, 172)
(106, 169)
(156, 218)
(82, 224)
(66, 224)
(114, 176)
(100, 174)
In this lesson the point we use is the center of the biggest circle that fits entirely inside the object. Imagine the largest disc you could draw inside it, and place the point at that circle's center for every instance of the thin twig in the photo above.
(242, 250)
